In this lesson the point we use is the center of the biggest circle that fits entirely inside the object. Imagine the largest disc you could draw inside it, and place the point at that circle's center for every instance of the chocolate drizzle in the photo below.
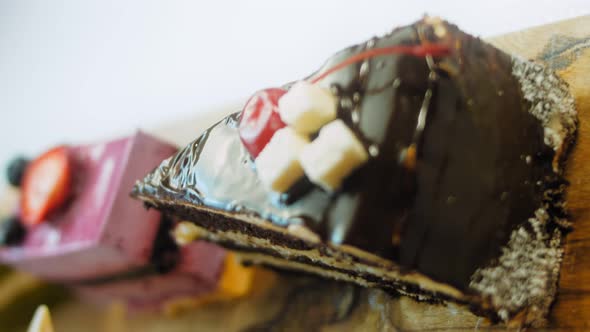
(457, 161)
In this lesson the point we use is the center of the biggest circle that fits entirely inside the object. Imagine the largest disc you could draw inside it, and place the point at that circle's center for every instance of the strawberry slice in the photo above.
(260, 119)
(46, 185)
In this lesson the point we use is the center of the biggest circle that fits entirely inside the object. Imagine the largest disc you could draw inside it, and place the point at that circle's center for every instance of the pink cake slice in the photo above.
(198, 273)
(101, 231)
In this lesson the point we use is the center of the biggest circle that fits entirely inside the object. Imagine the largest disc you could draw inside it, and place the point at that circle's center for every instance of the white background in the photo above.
(76, 71)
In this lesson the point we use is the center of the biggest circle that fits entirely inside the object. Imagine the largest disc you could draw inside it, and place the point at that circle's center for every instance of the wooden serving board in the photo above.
(283, 302)
(565, 46)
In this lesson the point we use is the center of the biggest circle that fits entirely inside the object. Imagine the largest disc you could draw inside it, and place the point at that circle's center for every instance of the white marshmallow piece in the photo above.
(307, 107)
(333, 155)
(278, 163)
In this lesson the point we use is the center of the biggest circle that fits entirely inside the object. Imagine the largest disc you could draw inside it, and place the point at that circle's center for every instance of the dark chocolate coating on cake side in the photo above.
(481, 163)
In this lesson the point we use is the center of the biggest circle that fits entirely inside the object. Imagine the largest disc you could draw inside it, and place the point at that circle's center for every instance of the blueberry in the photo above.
(12, 232)
(15, 170)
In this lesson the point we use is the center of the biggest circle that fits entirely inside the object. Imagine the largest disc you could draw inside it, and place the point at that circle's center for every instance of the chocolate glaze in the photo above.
(481, 165)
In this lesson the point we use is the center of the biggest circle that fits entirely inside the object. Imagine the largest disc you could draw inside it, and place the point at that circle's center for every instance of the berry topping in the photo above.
(46, 185)
(15, 170)
(12, 232)
(260, 120)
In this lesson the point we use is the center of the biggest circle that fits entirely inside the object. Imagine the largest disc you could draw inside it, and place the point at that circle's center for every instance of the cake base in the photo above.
(263, 243)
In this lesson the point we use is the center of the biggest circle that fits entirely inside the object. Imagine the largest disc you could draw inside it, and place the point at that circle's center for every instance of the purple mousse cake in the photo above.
(197, 272)
(96, 238)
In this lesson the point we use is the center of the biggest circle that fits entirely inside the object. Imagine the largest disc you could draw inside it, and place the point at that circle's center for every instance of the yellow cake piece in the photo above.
(235, 282)
(41, 321)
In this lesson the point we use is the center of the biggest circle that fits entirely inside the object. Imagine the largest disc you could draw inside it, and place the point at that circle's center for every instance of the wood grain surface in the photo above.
(564, 46)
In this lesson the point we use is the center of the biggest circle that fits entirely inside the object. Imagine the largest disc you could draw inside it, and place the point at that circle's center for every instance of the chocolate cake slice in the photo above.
(425, 162)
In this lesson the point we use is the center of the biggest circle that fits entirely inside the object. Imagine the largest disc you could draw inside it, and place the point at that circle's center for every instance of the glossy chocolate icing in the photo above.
(480, 168)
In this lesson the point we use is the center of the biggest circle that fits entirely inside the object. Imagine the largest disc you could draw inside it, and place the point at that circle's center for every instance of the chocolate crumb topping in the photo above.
(526, 273)
(550, 100)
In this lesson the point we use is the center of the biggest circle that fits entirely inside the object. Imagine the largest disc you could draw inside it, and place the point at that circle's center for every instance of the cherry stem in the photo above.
(436, 50)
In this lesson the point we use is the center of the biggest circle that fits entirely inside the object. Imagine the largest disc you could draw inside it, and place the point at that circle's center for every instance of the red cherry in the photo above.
(260, 119)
